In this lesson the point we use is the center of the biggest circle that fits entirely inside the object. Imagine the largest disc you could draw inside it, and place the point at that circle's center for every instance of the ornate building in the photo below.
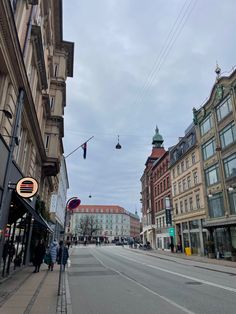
(35, 62)
(147, 193)
(216, 133)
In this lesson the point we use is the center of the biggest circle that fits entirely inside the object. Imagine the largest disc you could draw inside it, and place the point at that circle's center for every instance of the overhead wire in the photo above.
(169, 42)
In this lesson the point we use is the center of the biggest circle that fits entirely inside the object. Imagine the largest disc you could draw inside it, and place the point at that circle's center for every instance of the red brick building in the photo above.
(161, 189)
(147, 199)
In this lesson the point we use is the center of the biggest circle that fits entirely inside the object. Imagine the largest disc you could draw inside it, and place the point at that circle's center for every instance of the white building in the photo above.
(58, 201)
(111, 222)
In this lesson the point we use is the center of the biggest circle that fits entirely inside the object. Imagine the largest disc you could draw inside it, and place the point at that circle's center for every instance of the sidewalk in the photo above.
(35, 293)
(195, 258)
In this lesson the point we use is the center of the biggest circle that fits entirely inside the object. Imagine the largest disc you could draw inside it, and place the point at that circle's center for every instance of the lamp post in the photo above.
(71, 204)
(4, 209)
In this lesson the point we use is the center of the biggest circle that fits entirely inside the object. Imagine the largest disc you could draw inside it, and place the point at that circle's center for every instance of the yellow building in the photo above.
(187, 193)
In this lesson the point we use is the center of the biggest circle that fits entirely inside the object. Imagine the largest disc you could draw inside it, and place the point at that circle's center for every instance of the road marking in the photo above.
(180, 275)
(146, 288)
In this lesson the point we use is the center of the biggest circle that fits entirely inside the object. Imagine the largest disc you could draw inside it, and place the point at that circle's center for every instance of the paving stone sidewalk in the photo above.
(26, 292)
(195, 258)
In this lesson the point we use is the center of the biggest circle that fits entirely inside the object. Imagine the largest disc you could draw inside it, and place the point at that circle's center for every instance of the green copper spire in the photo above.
(157, 139)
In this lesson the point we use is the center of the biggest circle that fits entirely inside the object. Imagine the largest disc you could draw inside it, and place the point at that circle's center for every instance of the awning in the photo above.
(37, 217)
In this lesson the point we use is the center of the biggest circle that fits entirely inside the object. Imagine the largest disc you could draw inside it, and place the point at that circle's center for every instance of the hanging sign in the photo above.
(73, 203)
(27, 187)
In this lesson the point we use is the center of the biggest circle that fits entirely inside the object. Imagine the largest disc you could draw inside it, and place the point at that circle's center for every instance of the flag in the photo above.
(84, 146)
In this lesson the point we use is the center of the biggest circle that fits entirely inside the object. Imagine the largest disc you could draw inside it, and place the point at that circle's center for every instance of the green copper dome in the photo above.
(157, 139)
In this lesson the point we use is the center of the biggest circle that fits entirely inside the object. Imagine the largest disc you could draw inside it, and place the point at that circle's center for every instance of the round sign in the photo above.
(73, 203)
(27, 187)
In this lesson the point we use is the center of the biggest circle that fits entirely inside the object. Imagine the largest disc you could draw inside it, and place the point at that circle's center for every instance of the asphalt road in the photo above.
(116, 280)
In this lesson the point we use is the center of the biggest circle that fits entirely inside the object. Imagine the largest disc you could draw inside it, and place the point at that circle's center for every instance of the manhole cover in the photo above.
(194, 283)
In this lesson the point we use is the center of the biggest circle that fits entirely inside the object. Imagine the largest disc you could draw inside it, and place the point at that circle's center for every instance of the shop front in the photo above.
(190, 234)
(163, 239)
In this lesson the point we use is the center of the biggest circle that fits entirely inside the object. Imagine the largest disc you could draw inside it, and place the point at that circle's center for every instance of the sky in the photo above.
(137, 64)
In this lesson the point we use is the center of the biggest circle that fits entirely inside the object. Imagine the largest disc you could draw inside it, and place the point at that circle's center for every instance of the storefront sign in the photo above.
(27, 187)
(171, 232)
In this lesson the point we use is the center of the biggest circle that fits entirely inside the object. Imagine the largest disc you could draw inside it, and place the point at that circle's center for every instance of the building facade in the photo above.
(35, 62)
(216, 132)
(58, 202)
(161, 191)
(188, 193)
(147, 194)
(103, 222)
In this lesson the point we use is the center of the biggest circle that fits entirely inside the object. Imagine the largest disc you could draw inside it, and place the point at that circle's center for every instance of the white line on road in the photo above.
(146, 288)
(181, 275)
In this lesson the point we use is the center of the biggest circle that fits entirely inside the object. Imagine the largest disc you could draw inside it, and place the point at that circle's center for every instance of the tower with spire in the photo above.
(157, 147)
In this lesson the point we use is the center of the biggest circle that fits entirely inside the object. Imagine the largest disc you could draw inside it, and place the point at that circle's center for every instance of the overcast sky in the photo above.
(137, 64)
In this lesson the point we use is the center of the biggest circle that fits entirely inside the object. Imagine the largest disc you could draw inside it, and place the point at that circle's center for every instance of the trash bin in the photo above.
(188, 251)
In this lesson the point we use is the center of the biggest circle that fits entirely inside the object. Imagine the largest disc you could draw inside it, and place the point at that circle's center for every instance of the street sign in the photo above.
(171, 232)
(73, 203)
(27, 187)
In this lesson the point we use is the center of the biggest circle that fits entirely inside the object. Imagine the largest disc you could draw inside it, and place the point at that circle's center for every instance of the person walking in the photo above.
(39, 253)
(53, 251)
(63, 255)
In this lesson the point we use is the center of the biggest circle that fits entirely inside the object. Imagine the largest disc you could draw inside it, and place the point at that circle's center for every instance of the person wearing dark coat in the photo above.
(63, 255)
(39, 253)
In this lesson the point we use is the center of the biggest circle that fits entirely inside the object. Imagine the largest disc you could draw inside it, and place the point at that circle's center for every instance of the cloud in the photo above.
(117, 44)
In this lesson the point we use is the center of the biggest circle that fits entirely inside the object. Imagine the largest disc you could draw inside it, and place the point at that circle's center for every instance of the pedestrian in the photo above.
(63, 255)
(53, 251)
(39, 253)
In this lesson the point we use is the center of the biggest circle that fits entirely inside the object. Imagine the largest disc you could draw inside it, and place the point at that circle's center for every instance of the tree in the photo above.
(88, 225)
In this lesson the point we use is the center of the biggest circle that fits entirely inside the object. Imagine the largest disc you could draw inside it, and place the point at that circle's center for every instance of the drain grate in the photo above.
(193, 283)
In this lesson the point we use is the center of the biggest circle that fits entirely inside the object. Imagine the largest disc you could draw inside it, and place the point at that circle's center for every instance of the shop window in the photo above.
(206, 125)
(232, 202)
(228, 135)
(230, 166)
(216, 205)
(223, 109)
(208, 149)
(212, 175)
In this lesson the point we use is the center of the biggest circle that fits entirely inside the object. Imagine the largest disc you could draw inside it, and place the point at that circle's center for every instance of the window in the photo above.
(178, 172)
(195, 178)
(187, 163)
(168, 182)
(56, 67)
(189, 182)
(185, 205)
(190, 203)
(46, 140)
(173, 173)
(52, 101)
(193, 158)
(228, 135)
(184, 185)
(212, 175)
(180, 187)
(176, 209)
(182, 166)
(216, 206)
(223, 109)
(206, 125)
(197, 201)
(232, 202)
(208, 149)
(174, 189)
(230, 166)
(181, 207)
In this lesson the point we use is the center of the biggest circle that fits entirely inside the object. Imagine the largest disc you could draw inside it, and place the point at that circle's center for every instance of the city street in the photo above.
(105, 280)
